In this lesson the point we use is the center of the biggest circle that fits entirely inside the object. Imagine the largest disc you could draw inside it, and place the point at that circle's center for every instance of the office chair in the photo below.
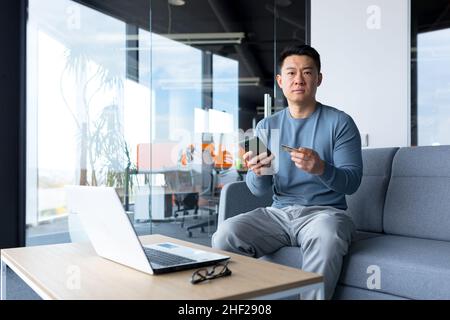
(219, 169)
(210, 199)
(185, 203)
(181, 183)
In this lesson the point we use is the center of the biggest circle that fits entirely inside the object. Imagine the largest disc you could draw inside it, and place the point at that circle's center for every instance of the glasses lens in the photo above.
(220, 269)
(199, 275)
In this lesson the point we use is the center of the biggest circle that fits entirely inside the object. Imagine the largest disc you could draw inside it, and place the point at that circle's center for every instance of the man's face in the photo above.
(299, 79)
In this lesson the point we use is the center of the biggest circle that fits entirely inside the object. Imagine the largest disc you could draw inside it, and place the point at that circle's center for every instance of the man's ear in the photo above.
(319, 81)
(279, 81)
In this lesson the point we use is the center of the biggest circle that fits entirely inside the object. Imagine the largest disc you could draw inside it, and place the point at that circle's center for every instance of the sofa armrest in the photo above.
(236, 198)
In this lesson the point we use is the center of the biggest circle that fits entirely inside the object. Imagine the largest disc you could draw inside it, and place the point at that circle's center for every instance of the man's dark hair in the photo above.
(300, 50)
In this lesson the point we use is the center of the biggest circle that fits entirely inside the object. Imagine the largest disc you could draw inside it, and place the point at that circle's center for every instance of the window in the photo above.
(433, 87)
(76, 94)
(430, 101)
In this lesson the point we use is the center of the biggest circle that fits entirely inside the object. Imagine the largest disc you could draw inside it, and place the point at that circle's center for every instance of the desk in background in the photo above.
(158, 200)
(163, 194)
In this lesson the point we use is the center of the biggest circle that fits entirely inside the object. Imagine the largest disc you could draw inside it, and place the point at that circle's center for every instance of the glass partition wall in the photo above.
(148, 97)
(81, 102)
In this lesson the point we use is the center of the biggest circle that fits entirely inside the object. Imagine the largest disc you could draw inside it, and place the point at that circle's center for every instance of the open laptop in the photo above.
(113, 237)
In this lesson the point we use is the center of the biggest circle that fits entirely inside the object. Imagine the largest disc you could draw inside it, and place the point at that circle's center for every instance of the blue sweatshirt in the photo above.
(333, 135)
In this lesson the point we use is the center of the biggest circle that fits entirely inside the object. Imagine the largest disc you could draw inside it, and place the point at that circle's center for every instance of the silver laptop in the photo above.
(113, 237)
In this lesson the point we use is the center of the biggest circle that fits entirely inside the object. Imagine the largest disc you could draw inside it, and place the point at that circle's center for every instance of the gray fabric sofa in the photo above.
(401, 249)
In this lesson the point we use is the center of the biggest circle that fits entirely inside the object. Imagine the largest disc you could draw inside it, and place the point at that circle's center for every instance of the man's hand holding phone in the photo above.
(306, 159)
(258, 163)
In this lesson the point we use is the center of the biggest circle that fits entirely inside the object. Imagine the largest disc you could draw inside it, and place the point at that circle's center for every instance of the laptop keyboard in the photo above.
(165, 259)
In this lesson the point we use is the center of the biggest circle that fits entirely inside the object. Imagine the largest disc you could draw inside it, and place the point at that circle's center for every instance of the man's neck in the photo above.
(298, 111)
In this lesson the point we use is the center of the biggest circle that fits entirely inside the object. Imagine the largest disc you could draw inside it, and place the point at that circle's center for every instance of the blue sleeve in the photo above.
(259, 185)
(344, 175)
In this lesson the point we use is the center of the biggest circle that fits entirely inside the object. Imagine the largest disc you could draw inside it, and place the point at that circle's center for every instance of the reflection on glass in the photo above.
(78, 100)
(226, 102)
(176, 73)
(226, 86)
(176, 86)
(433, 72)
(194, 110)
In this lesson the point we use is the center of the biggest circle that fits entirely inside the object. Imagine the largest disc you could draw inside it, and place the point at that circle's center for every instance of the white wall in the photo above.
(365, 51)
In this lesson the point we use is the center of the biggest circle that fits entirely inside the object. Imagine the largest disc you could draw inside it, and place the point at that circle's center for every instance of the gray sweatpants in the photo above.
(323, 233)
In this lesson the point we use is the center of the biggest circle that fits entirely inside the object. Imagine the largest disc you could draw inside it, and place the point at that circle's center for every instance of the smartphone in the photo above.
(255, 145)
(288, 149)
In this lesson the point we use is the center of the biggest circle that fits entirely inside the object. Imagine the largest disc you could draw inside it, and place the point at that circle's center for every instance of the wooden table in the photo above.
(74, 271)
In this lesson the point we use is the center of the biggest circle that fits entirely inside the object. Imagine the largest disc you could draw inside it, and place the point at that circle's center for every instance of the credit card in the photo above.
(288, 149)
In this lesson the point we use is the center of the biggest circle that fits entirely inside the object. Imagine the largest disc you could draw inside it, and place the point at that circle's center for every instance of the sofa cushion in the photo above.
(366, 205)
(409, 267)
(293, 256)
(352, 293)
(418, 196)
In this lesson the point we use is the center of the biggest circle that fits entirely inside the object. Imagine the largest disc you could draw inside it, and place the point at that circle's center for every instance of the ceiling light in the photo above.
(176, 2)
(207, 38)
(219, 85)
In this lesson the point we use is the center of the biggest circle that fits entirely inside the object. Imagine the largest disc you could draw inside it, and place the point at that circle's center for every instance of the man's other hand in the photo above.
(258, 163)
(308, 160)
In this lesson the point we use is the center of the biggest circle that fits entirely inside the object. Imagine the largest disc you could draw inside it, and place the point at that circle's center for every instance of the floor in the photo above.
(55, 231)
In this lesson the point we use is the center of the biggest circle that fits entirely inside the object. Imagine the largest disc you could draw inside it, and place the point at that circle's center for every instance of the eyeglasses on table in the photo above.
(217, 271)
